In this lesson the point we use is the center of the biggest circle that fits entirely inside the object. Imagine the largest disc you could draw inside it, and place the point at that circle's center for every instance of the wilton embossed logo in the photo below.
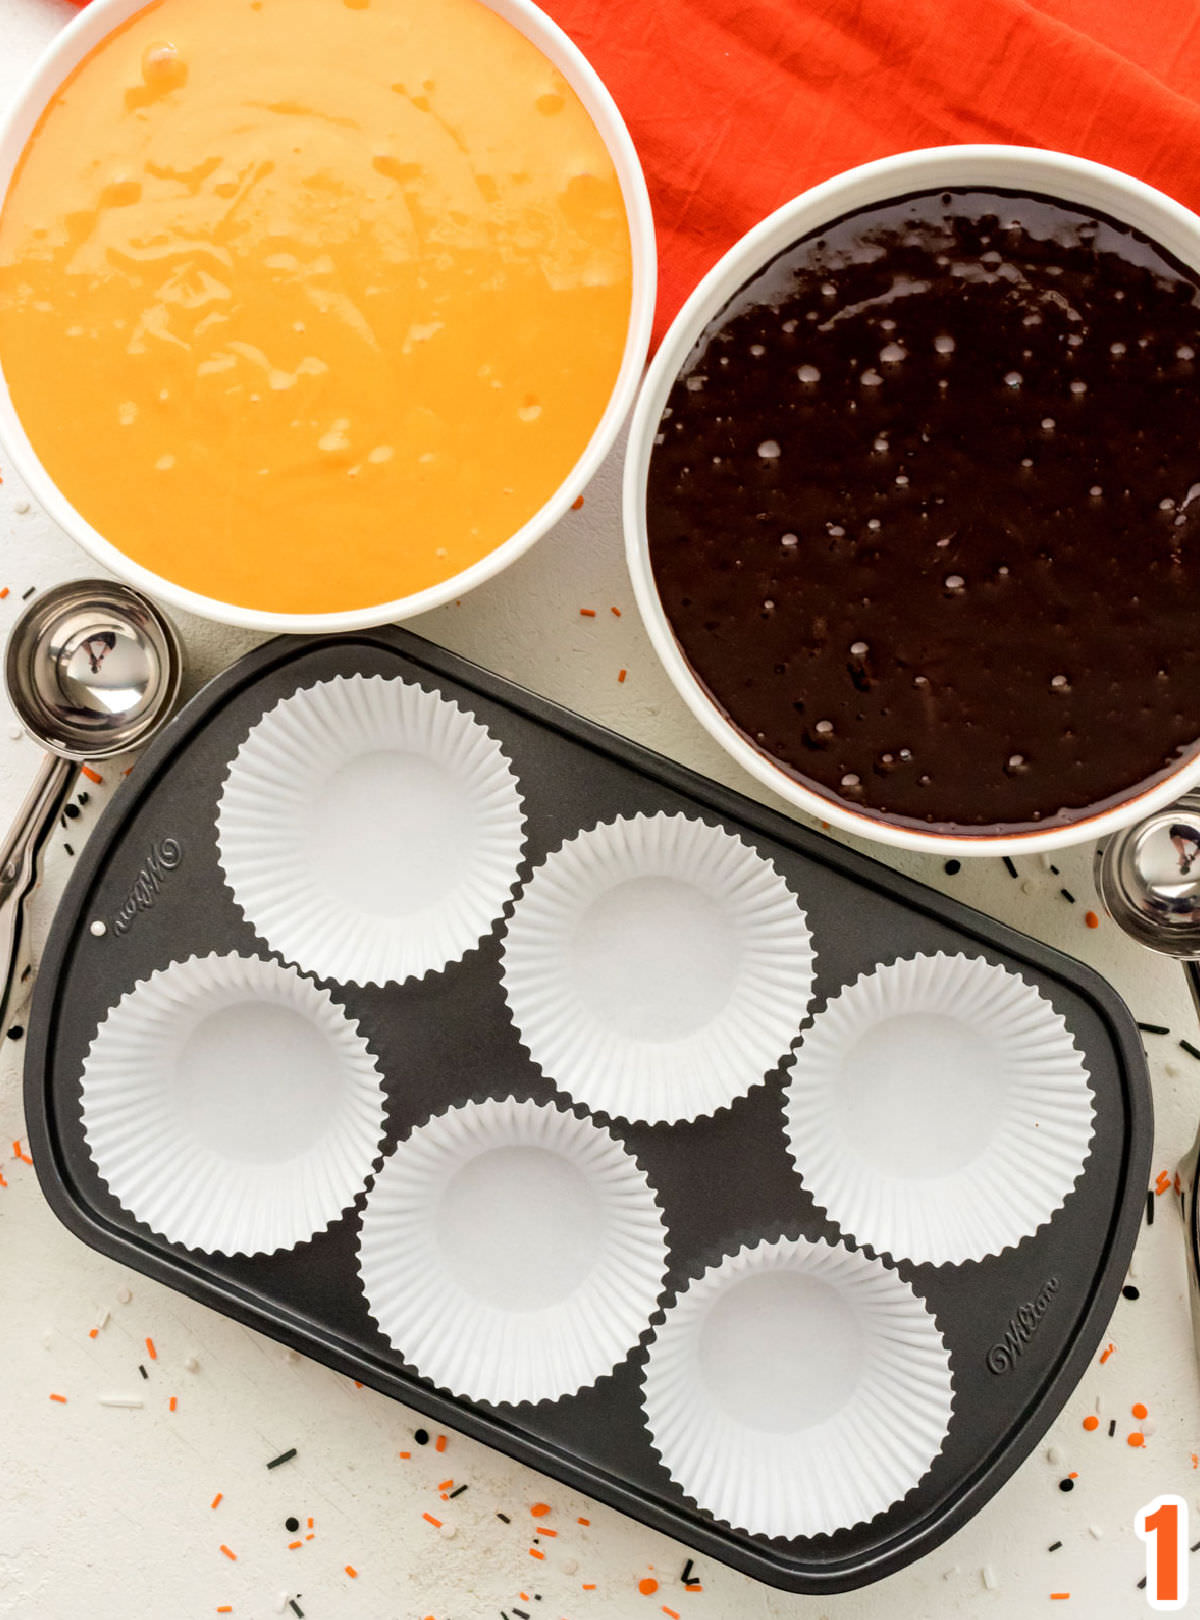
(162, 860)
(1022, 1326)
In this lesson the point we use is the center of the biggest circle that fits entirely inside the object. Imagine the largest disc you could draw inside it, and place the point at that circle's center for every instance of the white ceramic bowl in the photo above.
(1073, 180)
(65, 53)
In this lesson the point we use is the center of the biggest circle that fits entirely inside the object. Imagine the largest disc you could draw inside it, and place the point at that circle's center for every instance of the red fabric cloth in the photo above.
(736, 105)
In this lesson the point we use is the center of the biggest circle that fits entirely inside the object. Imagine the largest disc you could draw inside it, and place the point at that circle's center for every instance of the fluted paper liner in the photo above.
(797, 1388)
(512, 1251)
(939, 1110)
(370, 830)
(231, 1105)
(657, 967)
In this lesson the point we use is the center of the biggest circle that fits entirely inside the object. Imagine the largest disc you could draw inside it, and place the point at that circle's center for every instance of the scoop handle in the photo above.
(20, 865)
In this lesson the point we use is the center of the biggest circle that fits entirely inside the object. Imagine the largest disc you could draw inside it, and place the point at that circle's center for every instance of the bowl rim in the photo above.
(64, 53)
(1074, 179)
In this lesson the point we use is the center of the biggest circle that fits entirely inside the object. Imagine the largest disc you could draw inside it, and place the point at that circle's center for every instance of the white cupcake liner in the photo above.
(370, 830)
(939, 1109)
(231, 1105)
(797, 1388)
(511, 1251)
(657, 968)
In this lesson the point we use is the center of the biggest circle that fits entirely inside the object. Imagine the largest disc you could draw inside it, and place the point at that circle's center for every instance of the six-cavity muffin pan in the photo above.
(1017, 1327)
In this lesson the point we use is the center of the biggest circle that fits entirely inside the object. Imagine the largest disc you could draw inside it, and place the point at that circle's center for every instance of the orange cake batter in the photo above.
(308, 304)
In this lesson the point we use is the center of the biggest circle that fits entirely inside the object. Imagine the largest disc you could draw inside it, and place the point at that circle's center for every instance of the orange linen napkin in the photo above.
(736, 105)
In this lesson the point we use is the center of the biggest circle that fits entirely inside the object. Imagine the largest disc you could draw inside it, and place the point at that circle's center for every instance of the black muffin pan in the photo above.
(1021, 1327)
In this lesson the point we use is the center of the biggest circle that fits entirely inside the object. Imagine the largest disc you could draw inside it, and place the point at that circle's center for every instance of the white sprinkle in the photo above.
(1095, 1532)
(769, 450)
(768, 606)
(757, 349)
(1074, 340)
(98, 927)
(850, 780)
(1058, 682)
(21, 506)
(808, 374)
(190, 1364)
(1078, 387)
(695, 384)
(123, 1295)
(944, 343)
(448, 1532)
(1185, 352)
(790, 326)
(1054, 1456)
(1027, 461)
(902, 480)
(834, 530)
(569, 1566)
(1166, 504)
(103, 1319)
(858, 649)
(949, 1574)
(1116, 348)
(828, 289)
(282, 1601)
(824, 727)
(129, 1403)
(870, 378)
(788, 541)
(164, 463)
(881, 443)
(873, 523)
(1015, 761)
(1048, 424)
(1012, 379)
(1148, 1427)
(990, 1580)
(1133, 1265)
(893, 353)
(1096, 491)
(15, 733)
(1028, 886)
(955, 582)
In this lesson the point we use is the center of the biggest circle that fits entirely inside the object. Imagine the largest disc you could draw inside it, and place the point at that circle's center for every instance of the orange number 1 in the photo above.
(1163, 1526)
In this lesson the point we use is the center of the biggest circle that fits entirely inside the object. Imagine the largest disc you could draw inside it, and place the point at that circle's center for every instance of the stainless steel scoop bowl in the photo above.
(92, 668)
(1149, 880)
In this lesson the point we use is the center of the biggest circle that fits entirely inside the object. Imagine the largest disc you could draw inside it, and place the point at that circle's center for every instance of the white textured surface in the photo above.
(104, 1511)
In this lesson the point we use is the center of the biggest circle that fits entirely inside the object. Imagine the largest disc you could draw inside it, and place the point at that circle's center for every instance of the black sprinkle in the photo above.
(1009, 867)
(25, 595)
(291, 1526)
(84, 797)
(284, 1456)
(62, 820)
(504, 1518)
(1054, 1546)
(521, 1614)
(1195, 1547)
(1154, 1029)
(1191, 1050)
(1056, 872)
(15, 1031)
(1142, 1584)
(143, 1372)
(1150, 1209)
(71, 811)
(421, 1436)
(1066, 1484)
(687, 1572)
(457, 1491)
(26, 971)
(295, 1607)
(68, 849)
(1112, 1428)
(952, 868)
(1130, 1292)
(1067, 895)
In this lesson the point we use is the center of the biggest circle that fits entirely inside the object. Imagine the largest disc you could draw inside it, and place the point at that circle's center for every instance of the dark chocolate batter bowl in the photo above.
(913, 500)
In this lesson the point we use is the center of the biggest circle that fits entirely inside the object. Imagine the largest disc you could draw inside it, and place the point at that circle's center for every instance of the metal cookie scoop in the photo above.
(1149, 880)
(92, 669)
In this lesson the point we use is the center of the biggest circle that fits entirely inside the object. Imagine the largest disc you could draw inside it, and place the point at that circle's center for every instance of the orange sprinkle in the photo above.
(589, 1586)
(309, 1536)
(1059, 1597)
(1195, 1460)
(621, 674)
(587, 613)
(1108, 1352)
(1072, 1476)
(223, 1548)
(616, 612)
(3, 593)
(544, 1531)
(226, 1608)
(577, 503)
(1137, 1439)
(92, 776)
(93, 1333)
(357, 1384)
(1091, 919)
(293, 1544)
(3, 1183)
(62, 1399)
(1091, 1423)
(445, 1485)
(440, 1443)
(150, 1350)
(216, 1501)
(310, 1524)
(1139, 1411)
(671, 1612)
(583, 1521)
(534, 1553)
(17, 1148)
(540, 1510)
(693, 1586)
(172, 1404)
(352, 1572)
(404, 1455)
(429, 1519)
(647, 1585)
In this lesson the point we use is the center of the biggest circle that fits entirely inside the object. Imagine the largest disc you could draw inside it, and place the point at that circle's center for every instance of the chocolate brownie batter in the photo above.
(924, 511)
